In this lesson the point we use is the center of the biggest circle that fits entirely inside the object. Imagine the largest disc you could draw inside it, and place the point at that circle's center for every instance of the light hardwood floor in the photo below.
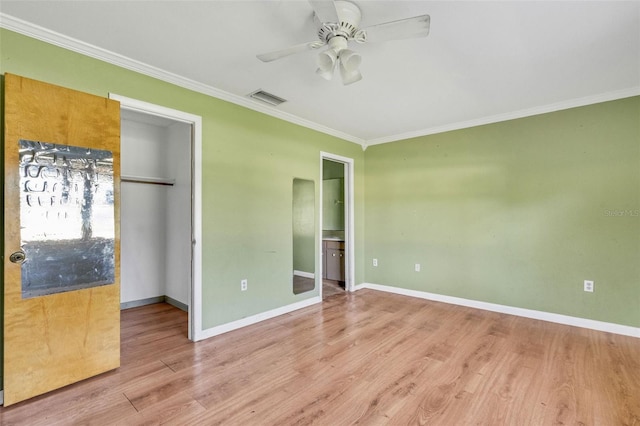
(331, 288)
(369, 358)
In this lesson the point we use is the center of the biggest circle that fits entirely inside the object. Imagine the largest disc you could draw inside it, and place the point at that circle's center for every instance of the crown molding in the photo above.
(52, 37)
(543, 109)
(40, 33)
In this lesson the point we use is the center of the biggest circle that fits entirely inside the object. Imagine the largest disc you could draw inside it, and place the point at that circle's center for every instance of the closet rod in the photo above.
(148, 180)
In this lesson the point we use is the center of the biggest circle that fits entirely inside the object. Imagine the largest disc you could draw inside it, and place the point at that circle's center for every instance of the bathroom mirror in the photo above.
(304, 235)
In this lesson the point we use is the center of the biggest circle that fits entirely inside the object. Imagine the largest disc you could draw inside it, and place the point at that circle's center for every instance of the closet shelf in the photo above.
(148, 180)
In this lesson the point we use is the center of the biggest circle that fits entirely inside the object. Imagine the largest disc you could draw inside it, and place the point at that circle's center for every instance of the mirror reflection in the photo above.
(66, 218)
(304, 246)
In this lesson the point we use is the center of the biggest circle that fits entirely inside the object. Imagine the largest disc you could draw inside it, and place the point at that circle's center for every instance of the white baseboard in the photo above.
(304, 274)
(151, 300)
(234, 325)
(521, 312)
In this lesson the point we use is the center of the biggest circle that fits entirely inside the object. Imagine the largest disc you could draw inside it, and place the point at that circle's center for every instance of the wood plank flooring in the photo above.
(331, 288)
(367, 358)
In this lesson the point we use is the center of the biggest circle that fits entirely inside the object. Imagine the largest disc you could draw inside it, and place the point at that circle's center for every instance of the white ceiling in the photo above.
(482, 62)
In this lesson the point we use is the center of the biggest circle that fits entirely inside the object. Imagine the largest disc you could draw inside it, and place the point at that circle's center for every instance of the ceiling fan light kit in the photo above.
(349, 77)
(327, 62)
(337, 53)
(350, 60)
(338, 23)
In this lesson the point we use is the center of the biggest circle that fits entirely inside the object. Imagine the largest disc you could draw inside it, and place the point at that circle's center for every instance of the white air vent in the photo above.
(268, 98)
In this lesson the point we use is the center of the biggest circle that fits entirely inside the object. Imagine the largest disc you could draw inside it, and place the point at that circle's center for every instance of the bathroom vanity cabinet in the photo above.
(333, 258)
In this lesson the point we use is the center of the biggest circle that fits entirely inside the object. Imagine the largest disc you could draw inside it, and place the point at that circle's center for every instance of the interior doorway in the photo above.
(336, 224)
(160, 219)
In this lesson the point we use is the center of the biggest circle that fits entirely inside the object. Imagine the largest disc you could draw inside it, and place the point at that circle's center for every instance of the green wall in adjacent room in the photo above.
(333, 205)
(249, 160)
(332, 170)
(333, 196)
(517, 213)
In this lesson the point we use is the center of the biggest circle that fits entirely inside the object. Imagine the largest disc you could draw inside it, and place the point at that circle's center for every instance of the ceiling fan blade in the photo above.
(325, 10)
(418, 26)
(272, 56)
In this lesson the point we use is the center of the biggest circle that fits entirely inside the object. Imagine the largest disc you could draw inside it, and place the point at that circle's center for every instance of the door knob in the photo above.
(18, 257)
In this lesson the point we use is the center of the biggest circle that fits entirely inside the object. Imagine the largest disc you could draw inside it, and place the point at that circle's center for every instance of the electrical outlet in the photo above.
(588, 286)
(375, 262)
(417, 267)
(243, 285)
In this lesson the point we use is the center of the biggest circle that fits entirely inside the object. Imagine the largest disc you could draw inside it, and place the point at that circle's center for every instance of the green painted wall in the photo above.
(332, 169)
(332, 191)
(249, 162)
(517, 213)
(333, 205)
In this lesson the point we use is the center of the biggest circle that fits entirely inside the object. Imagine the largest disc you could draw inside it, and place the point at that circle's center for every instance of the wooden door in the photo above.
(53, 340)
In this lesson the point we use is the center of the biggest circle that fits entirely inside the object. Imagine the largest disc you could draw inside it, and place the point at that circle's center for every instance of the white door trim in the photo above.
(195, 307)
(349, 234)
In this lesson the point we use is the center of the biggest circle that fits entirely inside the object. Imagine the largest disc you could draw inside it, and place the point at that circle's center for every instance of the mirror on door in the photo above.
(304, 235)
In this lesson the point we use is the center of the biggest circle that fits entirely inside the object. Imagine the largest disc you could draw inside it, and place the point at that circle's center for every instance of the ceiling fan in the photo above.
(338, 23)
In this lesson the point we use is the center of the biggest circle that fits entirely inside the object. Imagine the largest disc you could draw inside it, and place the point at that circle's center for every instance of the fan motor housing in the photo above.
(349, 15)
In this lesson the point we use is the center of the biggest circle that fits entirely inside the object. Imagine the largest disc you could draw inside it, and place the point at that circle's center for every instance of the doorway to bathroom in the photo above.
(336, 221)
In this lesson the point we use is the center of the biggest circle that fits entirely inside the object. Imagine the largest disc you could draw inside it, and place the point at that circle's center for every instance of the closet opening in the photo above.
(160, 223)
(155, 211)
